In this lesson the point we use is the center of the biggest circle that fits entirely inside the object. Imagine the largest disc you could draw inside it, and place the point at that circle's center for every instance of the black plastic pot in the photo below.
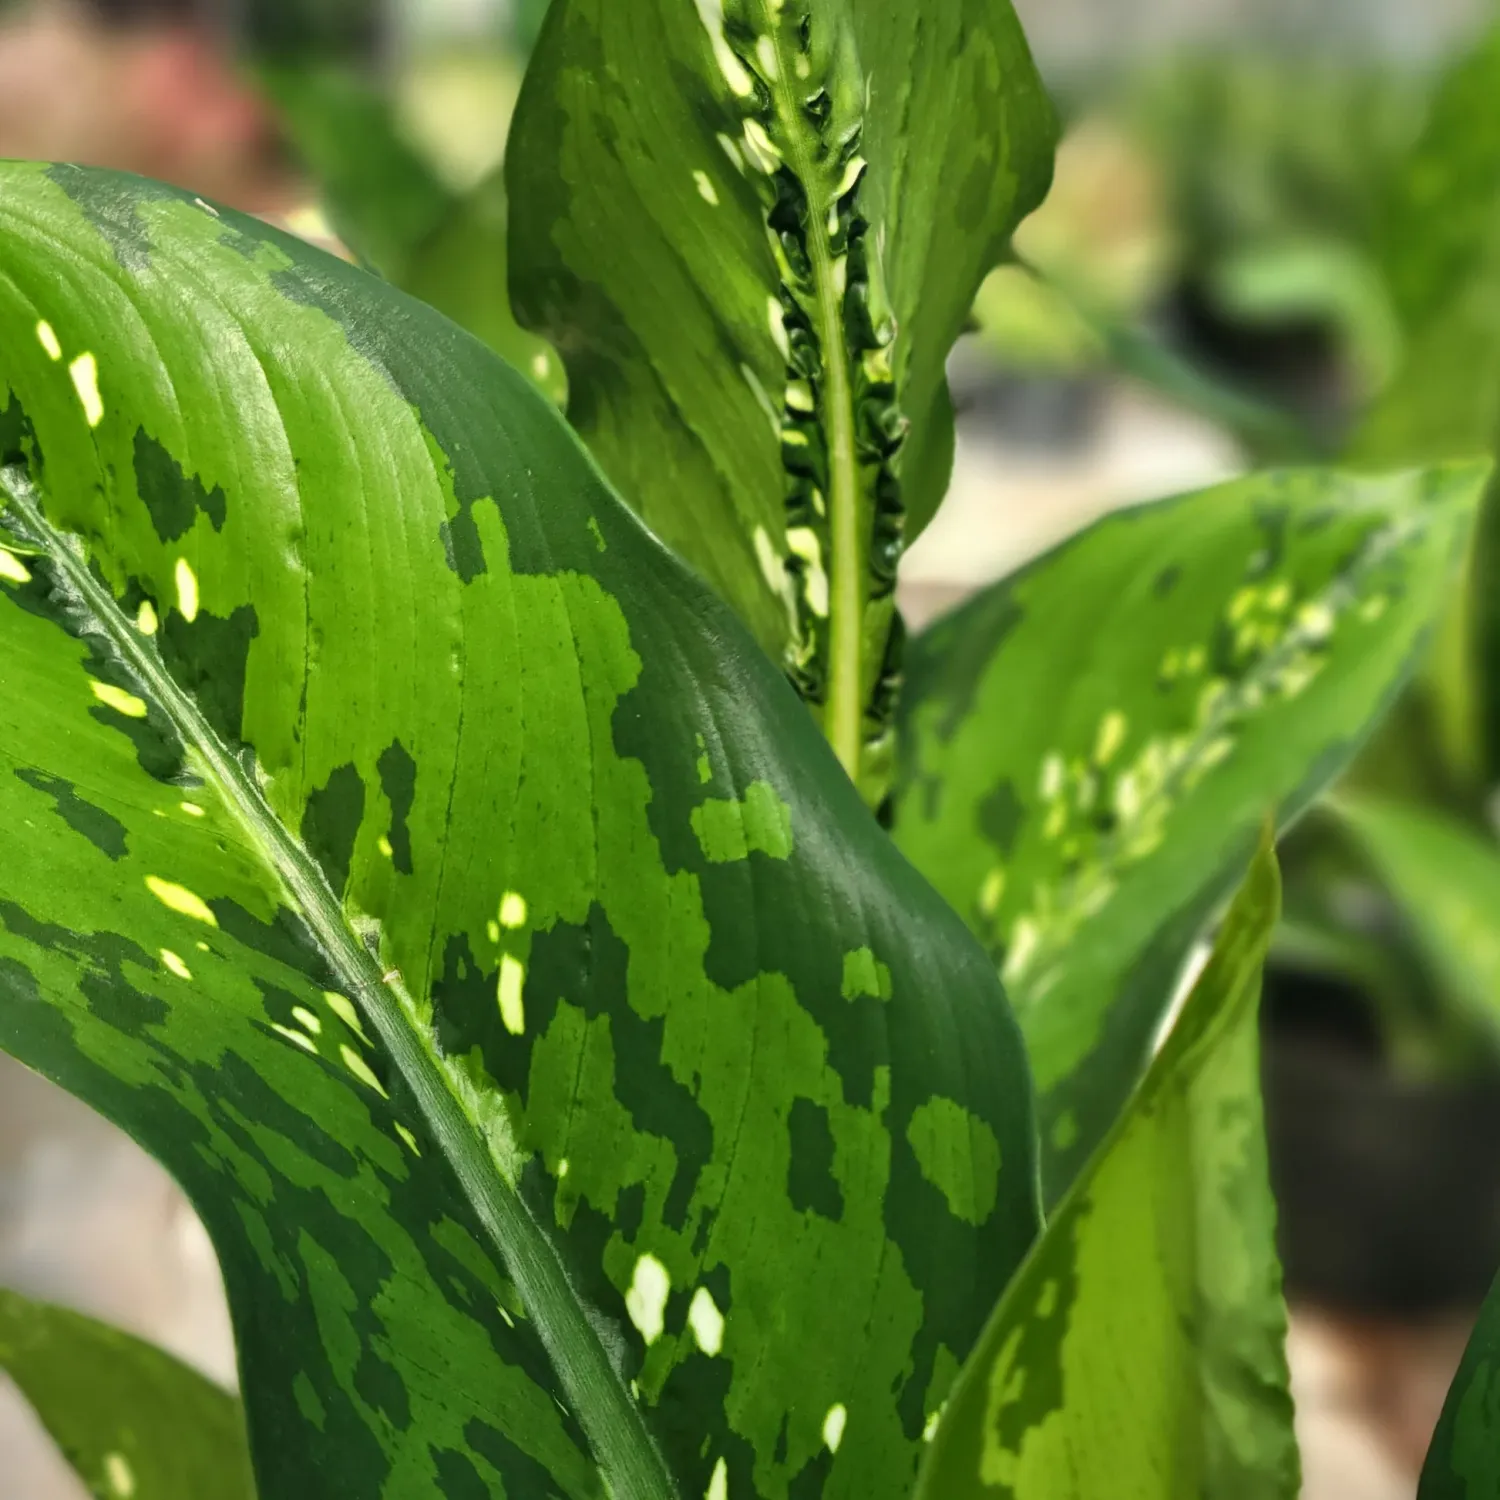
(1388, 1186)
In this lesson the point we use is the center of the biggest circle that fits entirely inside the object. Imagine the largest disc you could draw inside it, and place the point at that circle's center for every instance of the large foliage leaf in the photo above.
(1139, 1352)
(134, 1423)
(1089, 747)
(753, 231)
(581, 1092)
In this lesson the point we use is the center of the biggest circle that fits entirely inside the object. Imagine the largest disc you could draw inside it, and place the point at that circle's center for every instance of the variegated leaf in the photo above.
(753, 230)
(582, 1094)
(1089, 747)
(134, 1423)
(1139, 1353)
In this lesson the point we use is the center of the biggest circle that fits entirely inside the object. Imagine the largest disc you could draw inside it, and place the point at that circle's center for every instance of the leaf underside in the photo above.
(1139, 1352)
(1089, 748)
(578, 1088)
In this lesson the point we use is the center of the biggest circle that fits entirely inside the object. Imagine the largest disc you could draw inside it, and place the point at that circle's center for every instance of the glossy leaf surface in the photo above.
(753, 231)
(1139, 1353)
(1089, 747)
(579, 1089)
(134, 1423)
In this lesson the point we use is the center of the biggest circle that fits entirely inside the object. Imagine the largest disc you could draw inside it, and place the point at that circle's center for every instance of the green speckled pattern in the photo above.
(1139, 1353)
(579, 1089)
(1089, 747)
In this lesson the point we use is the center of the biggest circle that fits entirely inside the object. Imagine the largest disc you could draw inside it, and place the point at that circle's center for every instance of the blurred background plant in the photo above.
(1275, 234)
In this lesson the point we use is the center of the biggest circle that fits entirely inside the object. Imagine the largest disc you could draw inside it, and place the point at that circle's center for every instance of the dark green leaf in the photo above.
(134, 1423)
(1139, 1352)
(1463, 1462)
(579, 1089)
(1090, 746)
(753, 232)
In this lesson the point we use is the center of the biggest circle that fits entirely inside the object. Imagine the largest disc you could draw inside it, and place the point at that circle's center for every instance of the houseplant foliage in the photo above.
(128, 1418)
(1186, 1269)
(583, 1092)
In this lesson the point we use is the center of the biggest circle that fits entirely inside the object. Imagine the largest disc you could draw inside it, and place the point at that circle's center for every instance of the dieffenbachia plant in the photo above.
(1185, 1268)
(753, 230)
(1089, 748)
(584, 1094)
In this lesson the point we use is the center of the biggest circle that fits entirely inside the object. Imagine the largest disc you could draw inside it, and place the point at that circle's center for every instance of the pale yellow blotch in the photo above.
(492, 930)
(777, 324)
(1112, 729)
(119, 700)
(706, 190)
(504, 1312)
(145, 618)
(772, 568)
(361, 1069)
(646, 1301)
(760, 149)
(540, 365)
(12, 569)
(765, 55)
(803, 65)
(1278, 597)
(1025, 939)
(299, 1038)
(512, 910)
(992, 892)
(85, 373)
(385, 846)
(187, 590)
(803, 541)
(343, 1008)
(512, 982)
(1372, 609)
(307, 1020)
(718, 1483)
(853, 171)
(309, 223)
(410, 1139)
(833, 1426)
(180, 899)
(706, 1321)
(192, 809)
(47, 338)
(175, 965)
(563, 1168)
(1052, 777)
(119, 1476)
(930, 1427)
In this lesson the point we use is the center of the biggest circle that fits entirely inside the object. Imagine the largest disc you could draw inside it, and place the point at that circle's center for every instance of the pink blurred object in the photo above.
(163, 100)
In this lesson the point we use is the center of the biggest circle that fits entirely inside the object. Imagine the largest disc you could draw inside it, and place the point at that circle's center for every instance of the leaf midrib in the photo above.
(849, 563)
(622, 1446)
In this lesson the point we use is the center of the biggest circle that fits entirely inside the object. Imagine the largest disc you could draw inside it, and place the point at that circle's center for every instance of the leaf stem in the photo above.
(849, 541)
(622, 1445)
